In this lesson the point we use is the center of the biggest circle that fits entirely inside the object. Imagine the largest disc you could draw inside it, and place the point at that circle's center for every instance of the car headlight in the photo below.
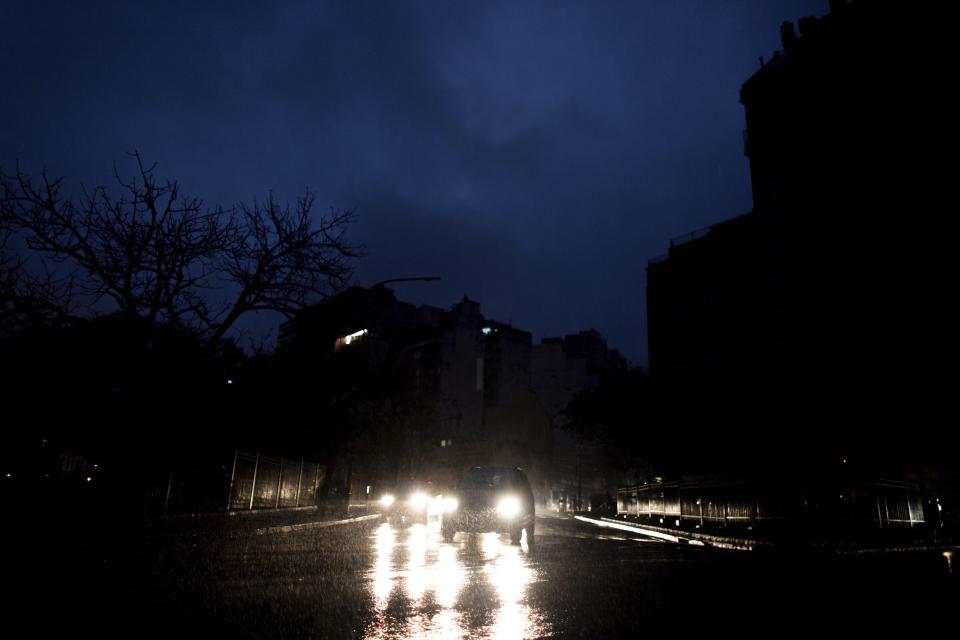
(387, 499)
(450, 504)
(418, 501)
(508, 506)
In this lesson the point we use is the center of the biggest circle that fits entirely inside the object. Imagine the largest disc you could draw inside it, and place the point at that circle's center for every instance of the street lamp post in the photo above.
(350, 457)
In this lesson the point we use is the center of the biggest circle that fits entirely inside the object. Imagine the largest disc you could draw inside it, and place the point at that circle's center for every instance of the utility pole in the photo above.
(579, 476)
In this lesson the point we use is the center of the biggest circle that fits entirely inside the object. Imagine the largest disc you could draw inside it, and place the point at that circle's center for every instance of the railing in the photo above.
(880, 503)
(678, 241)
(690, 237)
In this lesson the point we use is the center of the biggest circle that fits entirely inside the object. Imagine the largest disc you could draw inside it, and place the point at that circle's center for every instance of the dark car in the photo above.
(491, 499)
(407, 504)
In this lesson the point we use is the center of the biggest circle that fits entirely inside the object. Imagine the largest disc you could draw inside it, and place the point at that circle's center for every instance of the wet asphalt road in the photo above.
(375, 581)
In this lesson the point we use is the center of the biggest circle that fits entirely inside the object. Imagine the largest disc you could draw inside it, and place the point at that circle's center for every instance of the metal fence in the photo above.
(263, 482)
(877, 503)
(249, 481)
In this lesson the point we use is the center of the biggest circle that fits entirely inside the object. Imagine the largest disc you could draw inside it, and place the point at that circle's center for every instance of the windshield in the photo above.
(487, 478)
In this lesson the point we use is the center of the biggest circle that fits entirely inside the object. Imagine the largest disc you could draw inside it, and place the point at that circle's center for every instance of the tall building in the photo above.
(453, 385)
(464, 389)
(831, 297)
(562, 368)
(843, 118)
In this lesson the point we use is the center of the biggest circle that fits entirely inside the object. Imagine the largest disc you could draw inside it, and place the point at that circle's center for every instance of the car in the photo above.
(490, 499)
(407, 504)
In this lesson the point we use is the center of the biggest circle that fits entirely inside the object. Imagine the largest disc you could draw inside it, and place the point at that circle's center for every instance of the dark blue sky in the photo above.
(534, 155)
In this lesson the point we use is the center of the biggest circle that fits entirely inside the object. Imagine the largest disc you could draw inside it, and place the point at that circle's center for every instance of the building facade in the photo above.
(824, 312)
(461, 389)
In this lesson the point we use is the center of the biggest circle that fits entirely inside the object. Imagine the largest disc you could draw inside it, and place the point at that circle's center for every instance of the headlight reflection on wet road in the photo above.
(416, 558)
(476, 586)
(383, 576)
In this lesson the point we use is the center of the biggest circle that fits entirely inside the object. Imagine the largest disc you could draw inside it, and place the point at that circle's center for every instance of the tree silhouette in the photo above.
(152, 253)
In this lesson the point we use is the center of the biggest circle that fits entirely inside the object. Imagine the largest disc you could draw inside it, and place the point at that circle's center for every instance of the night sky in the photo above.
(533, 155)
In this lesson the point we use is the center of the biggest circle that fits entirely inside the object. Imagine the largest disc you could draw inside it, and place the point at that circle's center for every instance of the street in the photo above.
(370, 580)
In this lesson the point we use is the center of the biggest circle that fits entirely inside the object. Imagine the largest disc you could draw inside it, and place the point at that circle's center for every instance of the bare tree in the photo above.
(29, 297)
(154, 254)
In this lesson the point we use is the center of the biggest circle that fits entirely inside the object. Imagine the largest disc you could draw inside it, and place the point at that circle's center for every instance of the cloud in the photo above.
(533, 154)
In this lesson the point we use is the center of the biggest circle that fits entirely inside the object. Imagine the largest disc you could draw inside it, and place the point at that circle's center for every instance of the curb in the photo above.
(945, 548)
(626, 527)
(314, 525)
(235, 513)
(706, 539)
(695, 539)
(742, 544)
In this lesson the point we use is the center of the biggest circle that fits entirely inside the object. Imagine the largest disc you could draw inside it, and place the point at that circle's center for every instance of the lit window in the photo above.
(349, 339)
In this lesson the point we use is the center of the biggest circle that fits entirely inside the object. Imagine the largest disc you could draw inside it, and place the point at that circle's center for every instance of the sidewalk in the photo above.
(303, 526)
(262, 521)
